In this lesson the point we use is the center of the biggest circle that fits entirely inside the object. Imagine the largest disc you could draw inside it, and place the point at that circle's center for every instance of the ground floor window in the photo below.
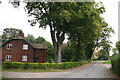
(24, 58)
(8, 57)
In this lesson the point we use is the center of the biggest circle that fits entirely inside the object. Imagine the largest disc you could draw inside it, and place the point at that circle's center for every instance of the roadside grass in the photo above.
(6, 79)
(107, 62)
(21, 70)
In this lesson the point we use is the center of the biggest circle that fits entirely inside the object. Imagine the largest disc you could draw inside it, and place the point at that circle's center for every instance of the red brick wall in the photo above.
(41, 55)
(17, 51)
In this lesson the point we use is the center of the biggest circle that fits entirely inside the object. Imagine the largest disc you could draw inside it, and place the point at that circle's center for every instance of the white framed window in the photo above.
(24, 58)
(8, 57)
(9, 46)
(25, 47)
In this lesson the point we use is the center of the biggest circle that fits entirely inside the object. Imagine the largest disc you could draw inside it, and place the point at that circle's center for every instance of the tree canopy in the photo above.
(9, 33)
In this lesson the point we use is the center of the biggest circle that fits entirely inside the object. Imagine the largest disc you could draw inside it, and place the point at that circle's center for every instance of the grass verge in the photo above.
(107, 62)
(21, 70)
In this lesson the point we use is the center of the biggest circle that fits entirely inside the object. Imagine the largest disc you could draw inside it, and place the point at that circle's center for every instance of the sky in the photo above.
(17, 18)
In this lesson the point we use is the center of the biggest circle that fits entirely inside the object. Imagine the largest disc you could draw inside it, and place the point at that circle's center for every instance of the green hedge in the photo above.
(42, 66)
(115, 61)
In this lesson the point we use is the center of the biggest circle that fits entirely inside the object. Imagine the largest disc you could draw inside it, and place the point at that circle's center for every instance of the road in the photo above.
(92, 70)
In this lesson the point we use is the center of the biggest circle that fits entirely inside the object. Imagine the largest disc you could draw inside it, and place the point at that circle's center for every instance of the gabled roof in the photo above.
(34, 45)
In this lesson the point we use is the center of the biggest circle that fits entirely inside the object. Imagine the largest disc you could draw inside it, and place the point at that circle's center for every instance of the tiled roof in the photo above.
(38, 46)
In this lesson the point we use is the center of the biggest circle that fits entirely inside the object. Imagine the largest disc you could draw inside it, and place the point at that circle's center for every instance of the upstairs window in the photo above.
(9, 46)
(25, 47)
(24, 58)
(8, 57)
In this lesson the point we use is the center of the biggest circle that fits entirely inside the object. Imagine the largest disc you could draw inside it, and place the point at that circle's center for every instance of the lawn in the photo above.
(107, 62)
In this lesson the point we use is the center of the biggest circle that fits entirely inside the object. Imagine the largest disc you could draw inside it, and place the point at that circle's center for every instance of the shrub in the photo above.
(118, 46)
(42, 66)
(115, 61)
(9, 65)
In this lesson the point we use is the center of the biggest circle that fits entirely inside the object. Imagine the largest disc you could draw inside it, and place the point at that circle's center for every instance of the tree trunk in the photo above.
(58, 55)
(57, 40)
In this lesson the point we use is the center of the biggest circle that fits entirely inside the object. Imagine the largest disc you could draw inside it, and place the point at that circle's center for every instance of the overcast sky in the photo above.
(17, 18)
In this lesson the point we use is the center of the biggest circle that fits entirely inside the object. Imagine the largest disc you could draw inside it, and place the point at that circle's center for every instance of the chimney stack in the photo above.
(21, 34)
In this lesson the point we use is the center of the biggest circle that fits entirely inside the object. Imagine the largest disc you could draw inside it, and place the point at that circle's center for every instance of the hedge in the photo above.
(115, 61)
(42, 66)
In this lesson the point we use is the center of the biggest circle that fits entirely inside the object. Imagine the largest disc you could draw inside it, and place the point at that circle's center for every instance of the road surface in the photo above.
(92, 70)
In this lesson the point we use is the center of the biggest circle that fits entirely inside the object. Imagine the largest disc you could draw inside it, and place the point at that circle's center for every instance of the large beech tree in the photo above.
(54, 16)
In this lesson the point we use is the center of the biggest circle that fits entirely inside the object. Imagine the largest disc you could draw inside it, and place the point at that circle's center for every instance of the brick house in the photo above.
(19, 50)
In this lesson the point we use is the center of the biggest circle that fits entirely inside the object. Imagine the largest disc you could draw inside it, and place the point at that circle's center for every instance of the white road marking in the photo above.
(108, 65)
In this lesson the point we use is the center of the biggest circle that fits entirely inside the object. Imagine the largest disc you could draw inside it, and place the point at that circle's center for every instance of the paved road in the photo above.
(93, 70)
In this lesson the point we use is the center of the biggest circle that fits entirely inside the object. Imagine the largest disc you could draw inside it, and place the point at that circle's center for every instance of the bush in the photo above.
(115, 61)
(42, 66)
(8, 65)
(118, 46)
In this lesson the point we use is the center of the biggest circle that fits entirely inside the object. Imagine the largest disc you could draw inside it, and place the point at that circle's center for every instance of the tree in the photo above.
(49, 52)
(40, 40)
(30, 38)
(48, 14)
(9, 33)
(87, 30)
(105, 48)
(118, 46)
(67, 52)
(114, 50)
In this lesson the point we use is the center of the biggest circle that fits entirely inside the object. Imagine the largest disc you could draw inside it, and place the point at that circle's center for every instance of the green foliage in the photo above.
(40, 40)
(67, 52)
(49, 53)
(41, 66)
(30, 38)
(115, 61)
(114, 50)
(90, 31)
(9, 33)
(107, 62)
(8, 65)
(118, 46)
